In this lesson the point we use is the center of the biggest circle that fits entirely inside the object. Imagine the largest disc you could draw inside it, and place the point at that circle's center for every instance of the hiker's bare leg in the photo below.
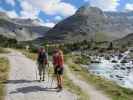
(40, 71)
(44, 69)
(58, 81)
(61, 81)
(40, 74)
(60, 85)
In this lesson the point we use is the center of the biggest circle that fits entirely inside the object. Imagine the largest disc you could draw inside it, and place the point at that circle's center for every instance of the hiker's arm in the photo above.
(61, 60)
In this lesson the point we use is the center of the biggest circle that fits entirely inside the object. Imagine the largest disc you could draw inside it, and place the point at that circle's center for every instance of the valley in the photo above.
(98, 54)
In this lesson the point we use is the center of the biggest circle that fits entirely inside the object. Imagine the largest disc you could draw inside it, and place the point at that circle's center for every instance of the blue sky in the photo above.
(51, 12)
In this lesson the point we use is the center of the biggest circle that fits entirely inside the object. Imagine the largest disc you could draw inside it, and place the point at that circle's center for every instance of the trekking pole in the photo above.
(52, 81)
(49, 77)
(47, 74)
(36, 71)
(52, 78)
(48, 71)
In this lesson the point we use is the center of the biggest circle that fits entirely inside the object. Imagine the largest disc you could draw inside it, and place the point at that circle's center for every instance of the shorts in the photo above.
(59, 70)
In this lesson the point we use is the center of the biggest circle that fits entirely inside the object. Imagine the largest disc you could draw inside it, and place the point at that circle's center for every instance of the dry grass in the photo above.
(4, 69)
(28, 54)
(3, 50)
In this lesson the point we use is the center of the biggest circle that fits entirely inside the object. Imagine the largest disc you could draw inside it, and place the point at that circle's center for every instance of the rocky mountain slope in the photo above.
(21, 29)
(127, 40)
(92, 23)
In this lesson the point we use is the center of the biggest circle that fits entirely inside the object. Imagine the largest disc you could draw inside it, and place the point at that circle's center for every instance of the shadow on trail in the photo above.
(30, 89)
(18, 81)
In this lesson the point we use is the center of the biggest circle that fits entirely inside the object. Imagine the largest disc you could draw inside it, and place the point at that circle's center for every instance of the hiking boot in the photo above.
(56, 87)
(43, 78)
(60, 88)
(40, 79)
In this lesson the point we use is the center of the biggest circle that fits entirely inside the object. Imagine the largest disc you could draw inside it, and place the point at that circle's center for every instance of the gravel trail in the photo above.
(22, 85)
(93, 93)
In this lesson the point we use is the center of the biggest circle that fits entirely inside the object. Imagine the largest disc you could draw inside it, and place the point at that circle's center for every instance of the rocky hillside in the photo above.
(21, 29)
(127, 40)
(92, 23)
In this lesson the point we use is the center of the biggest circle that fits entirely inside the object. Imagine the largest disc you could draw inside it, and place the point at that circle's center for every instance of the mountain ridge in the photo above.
(88, 21)
(23, 30)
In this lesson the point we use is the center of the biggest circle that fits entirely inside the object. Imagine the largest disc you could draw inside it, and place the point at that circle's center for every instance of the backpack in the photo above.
(42, 57)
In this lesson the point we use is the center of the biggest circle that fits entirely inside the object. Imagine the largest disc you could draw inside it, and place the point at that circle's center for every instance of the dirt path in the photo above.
(22, 84)
(93, 93)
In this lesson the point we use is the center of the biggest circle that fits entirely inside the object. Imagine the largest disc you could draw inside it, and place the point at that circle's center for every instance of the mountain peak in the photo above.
(87, 10)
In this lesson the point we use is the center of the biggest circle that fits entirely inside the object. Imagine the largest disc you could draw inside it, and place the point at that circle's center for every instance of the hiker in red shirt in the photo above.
(58, 62)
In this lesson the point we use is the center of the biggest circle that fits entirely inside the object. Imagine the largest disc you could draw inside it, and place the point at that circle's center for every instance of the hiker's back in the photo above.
(42, 56)
(58, 59)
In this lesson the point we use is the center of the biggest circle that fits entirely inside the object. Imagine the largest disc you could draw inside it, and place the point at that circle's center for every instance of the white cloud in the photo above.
(54, 7)
(12, 14)
(129, 7)
(28, 11)
(45, 23)
(11, 2)
(49, 24)
(106, 5)
(58, 18)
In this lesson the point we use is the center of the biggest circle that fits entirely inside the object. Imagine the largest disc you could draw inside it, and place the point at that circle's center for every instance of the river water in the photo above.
(121, 73)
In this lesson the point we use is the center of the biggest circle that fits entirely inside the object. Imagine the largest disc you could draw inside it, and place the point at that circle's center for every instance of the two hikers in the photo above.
(58, 63)
(42, 62)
